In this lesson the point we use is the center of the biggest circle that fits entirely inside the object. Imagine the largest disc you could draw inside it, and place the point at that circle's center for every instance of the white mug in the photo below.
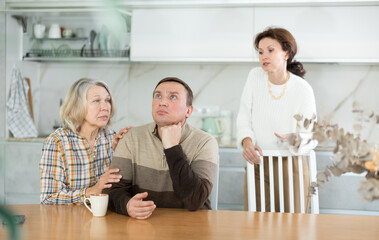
(99, 204)
(55, 31)
(39, 30)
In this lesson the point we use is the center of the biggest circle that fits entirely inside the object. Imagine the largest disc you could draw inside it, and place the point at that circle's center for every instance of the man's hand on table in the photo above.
(139, 209)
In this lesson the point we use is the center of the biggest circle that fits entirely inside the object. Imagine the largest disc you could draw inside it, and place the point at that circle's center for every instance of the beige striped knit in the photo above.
(179, 177)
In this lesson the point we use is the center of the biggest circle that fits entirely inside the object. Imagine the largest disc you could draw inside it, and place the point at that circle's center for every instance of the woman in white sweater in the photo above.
(272, 95)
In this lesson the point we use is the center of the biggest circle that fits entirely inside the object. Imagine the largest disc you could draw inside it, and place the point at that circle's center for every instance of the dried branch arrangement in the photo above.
(352, 154)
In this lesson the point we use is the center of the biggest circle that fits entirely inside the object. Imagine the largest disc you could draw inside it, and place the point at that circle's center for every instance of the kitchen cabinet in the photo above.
(192, 34)
(2, 172)
(231, 179)
(2, 72)
(327, 34)
(220, 31)
(333, 196)
(324, 34)
(21, 184)
(94, 37)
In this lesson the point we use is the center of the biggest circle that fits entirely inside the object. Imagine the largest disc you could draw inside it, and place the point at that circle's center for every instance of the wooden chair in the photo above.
(311, 159)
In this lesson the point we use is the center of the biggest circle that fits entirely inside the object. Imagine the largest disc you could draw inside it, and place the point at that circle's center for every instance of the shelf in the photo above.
(77, 55)
(76, 59)
(41, 6)
(59, 39)
(195, 60)
(25, 140)
(342, 61)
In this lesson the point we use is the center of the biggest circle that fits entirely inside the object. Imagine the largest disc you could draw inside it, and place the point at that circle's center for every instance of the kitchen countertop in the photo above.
(38, 139)
(221, 146)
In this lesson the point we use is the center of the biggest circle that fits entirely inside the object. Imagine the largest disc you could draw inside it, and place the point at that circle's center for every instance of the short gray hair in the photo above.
(73, 110)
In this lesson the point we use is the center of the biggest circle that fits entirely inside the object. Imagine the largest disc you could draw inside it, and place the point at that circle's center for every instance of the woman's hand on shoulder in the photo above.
(250, 151)
(118, 136)
(105, 181)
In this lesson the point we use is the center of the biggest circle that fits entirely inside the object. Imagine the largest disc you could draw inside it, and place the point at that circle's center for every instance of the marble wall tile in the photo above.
(56, 79)
(222, 84)
(336, 84)
(213, 85)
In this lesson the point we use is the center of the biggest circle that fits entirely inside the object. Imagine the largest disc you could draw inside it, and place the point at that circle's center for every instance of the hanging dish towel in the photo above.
(20, 122)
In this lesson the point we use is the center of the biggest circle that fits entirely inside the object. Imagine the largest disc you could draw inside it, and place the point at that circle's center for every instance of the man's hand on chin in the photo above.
(171, 135)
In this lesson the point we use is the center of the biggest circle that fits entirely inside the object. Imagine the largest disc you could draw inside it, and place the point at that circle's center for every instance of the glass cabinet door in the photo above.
(2, 69)
(2, 97)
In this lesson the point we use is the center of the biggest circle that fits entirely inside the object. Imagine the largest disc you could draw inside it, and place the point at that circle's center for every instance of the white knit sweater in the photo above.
(260, 116)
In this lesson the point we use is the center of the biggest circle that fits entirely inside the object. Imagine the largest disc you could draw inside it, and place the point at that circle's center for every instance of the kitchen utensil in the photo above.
(113, 45)
(85, 50)
(64, 50)
(123, 35)
(226, 136)
(213, 125)
(39, 30)
(30, 97)
(103, 35)
(92, 36)
(99, 204)
(96, 43)
(67, 33)
(55, 31)
(79, 32)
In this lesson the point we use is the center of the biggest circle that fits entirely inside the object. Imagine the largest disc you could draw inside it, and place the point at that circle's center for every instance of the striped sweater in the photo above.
(178, 177)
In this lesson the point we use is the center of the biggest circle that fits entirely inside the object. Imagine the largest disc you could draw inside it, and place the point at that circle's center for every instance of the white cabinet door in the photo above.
(192, 34)
(326, 32)
(22, 174)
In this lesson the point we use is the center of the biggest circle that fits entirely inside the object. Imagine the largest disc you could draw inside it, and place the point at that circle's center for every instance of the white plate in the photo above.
(103, 35)
(124, 35)
(118, 30)
(96, 42)
(113, 43)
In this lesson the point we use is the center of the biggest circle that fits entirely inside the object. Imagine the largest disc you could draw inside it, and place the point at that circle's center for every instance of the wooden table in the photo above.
(76, 222)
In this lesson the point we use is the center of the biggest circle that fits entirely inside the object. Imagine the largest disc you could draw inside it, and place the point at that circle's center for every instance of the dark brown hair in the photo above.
(288, 43)
(185, 85)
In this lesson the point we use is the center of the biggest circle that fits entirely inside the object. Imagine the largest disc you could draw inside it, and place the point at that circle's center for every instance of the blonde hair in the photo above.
(73, 110)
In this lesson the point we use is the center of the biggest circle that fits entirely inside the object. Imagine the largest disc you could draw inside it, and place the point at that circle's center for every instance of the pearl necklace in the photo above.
(283, 91)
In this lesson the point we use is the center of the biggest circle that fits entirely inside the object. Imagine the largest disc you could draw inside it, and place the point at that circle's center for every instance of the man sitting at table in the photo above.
(167, 163)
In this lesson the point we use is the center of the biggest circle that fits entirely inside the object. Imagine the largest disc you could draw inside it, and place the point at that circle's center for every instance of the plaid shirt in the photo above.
(68, 165)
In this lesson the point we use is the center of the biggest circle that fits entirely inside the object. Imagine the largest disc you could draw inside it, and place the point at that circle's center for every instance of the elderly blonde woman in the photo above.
(75, 158)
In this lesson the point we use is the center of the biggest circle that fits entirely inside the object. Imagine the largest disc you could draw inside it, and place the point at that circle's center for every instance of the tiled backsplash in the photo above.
(213, 85)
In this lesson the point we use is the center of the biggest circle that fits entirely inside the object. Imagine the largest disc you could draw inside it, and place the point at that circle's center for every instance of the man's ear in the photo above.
(189, 111)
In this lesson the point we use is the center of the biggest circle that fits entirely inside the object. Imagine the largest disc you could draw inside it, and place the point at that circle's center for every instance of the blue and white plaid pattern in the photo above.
(68, 166)
(20, 122)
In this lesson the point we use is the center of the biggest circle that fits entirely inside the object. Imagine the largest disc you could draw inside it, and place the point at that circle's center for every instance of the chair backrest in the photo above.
(311, 158)
(213, 197)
